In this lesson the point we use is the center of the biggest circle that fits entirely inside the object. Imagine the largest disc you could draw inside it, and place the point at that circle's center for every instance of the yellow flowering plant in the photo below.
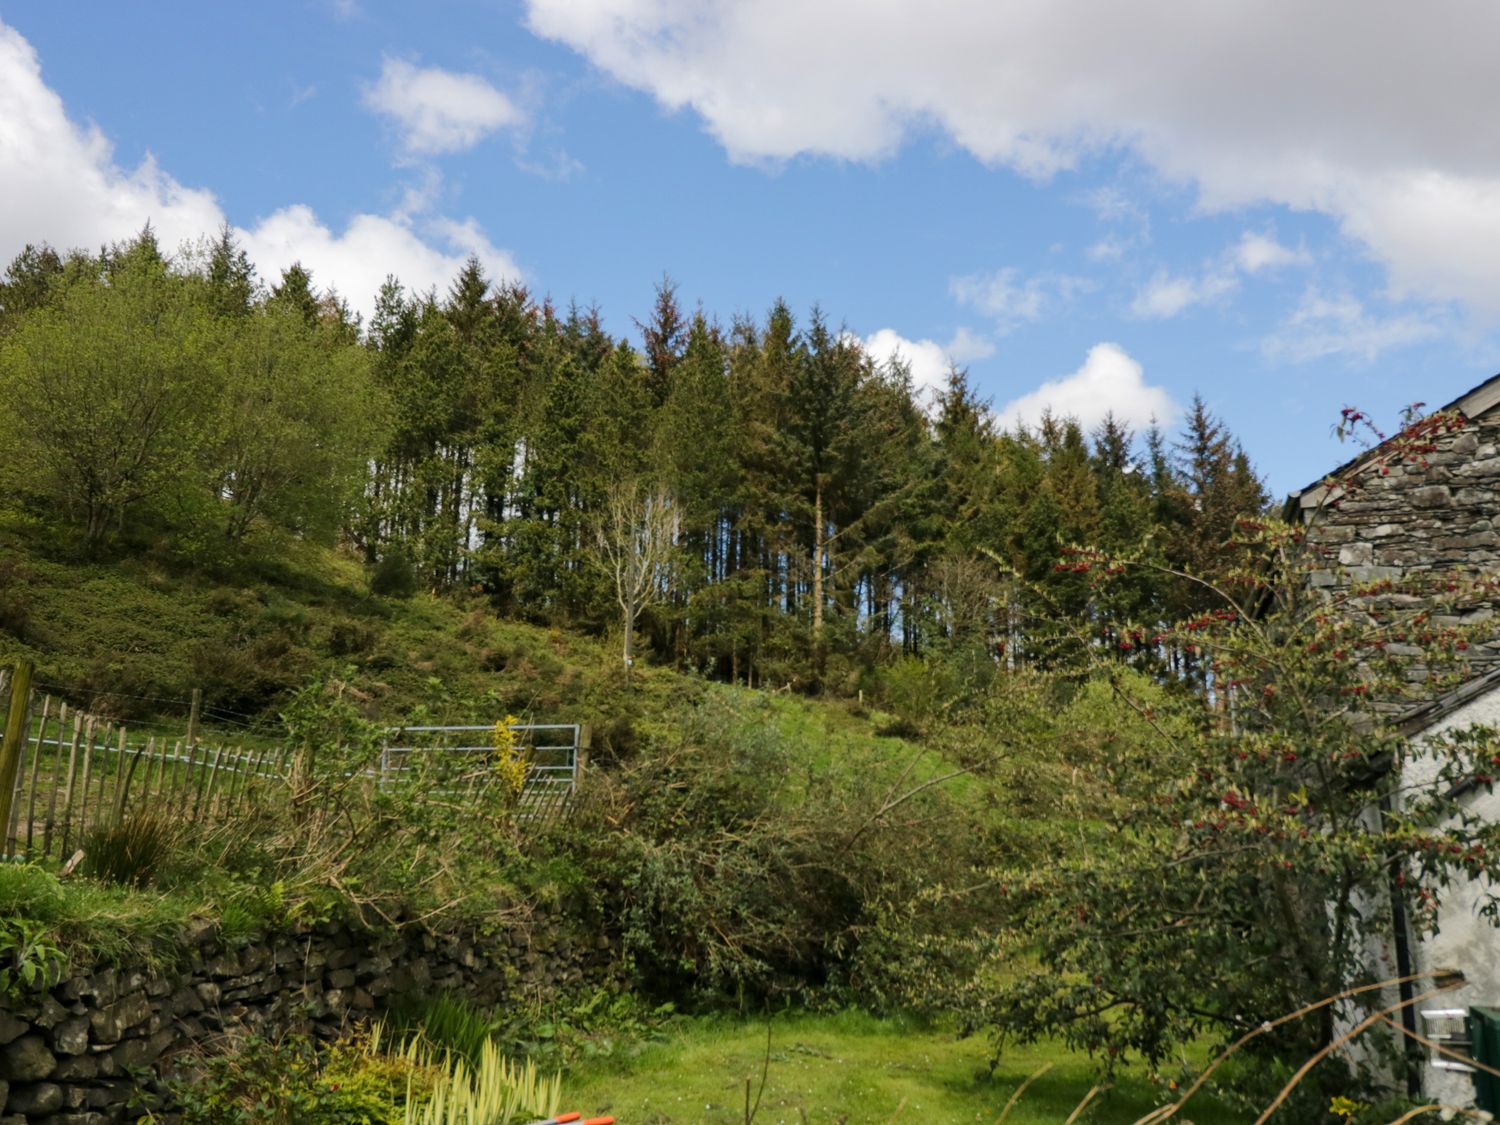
(512, 760)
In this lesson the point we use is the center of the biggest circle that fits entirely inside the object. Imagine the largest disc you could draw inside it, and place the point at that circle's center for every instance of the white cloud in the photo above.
(1378, 113)
(440, 111)
(1110, 248)
(967, 346)
(928, 361)
(1164, 296)
(1109, 382)
(61, 182)
(1340, 325)
(356, 261)
(1256, 252)
(1112, 204)
(62, 186)
(1011, 299)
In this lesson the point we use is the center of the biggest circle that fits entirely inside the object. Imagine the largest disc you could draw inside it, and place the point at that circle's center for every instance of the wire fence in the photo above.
(65, 773)
(70, 772)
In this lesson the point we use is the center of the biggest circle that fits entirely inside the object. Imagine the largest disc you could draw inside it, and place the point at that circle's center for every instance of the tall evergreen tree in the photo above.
(29, 283)
(295, 291)
(665, 336)
(230, 276)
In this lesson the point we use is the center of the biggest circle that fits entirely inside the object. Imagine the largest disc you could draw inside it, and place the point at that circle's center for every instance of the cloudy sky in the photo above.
(1286, 207)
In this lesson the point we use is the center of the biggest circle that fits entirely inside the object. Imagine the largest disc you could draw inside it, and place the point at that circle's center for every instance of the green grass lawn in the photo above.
(852, 1068)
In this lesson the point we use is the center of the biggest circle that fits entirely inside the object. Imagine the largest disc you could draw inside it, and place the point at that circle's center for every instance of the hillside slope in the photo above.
(131, 637)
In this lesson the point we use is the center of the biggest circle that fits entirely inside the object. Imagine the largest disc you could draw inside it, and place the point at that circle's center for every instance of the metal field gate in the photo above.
(463, 755)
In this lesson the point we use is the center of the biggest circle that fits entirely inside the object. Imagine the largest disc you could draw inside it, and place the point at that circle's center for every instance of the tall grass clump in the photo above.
(130, 851)
(447, 1024)
(497, 1091)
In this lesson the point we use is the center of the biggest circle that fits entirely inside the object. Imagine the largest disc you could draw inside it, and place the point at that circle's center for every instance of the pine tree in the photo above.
(665, 337)
(822, 446)
(29, 283)
(295, 291)
(230, 276)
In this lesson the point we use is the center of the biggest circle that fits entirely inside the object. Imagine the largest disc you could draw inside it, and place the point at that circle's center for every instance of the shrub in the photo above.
(917, 691)
(732, 868)
(28, 958)
(86, 921)
(394, 576)
(349, 638)
(15, 605)
(358, 1081)
(287, 1082)
(497, 1091)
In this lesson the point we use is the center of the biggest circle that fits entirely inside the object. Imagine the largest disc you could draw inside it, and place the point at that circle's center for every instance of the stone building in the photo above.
(1396, 513)
(1435, 508)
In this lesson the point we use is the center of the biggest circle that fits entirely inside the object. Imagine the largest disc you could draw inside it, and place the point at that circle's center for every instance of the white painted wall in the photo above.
(1464, 940)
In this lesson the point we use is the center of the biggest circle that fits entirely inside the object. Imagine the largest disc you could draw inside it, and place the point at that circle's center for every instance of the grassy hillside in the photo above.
(134, 635)
(131, 637)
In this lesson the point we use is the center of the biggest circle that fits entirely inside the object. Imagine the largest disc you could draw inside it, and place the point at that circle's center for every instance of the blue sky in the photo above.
(1284, 209)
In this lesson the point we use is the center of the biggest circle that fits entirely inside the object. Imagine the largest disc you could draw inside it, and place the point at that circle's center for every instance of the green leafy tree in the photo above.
(298, 420)
(107, 389)
(1251, 858)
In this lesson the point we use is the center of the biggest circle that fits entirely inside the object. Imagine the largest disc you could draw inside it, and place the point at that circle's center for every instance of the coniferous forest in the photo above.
(802, 513)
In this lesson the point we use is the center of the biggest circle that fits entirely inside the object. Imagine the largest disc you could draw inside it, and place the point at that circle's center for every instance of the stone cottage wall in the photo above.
(78, 1053)
(1443, 515)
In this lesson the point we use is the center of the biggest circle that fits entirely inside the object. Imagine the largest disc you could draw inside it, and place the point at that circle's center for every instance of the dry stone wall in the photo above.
(80, 1053)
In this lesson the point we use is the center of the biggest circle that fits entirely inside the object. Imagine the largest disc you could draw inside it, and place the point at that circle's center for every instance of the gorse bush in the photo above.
(917, 691)
(394, 576)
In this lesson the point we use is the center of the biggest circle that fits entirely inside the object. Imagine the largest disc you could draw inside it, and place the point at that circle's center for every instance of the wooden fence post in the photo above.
(67, 816)
(194, 714)
(83, 797)
(36, 767)
(15, 741)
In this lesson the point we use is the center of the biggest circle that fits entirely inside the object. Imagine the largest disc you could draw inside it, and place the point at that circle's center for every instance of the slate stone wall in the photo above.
(1443, 515)
(76, 1054)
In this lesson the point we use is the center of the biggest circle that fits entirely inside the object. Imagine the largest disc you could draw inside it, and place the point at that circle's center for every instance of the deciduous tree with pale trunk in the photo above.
(636, 536)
